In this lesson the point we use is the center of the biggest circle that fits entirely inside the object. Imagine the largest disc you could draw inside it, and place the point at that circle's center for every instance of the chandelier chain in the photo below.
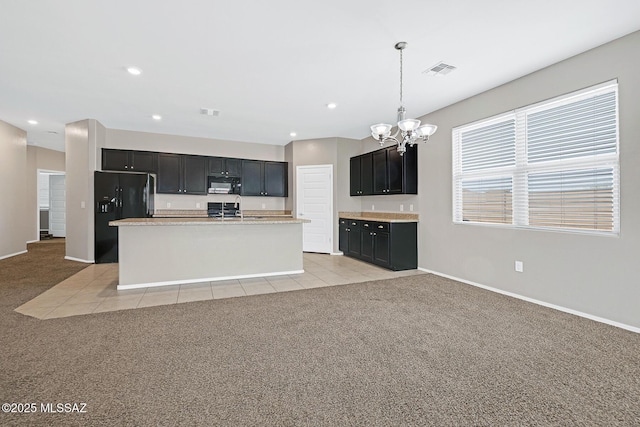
(401, 77)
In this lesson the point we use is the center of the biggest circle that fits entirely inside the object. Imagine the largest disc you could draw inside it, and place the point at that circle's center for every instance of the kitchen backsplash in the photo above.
(189, 202)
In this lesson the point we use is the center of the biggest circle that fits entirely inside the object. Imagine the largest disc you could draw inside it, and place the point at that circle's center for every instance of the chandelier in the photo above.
(409, 129)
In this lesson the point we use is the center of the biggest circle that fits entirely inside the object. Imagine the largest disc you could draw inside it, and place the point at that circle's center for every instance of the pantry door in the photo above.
(314, 201)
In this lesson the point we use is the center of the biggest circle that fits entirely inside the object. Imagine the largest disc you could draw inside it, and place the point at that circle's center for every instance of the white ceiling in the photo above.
(271, 67)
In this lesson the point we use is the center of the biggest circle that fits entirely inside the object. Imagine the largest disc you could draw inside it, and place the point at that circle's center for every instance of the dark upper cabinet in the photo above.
(361, 175)
(380, 174)
(194, 174)
(260, 178)
(225, 167)
(129, 160)
(169, 173)
(275, 179)
(182, 174)
(252, 178)
(384, 171)
(187, 174)
(366, 170)
(355, 178)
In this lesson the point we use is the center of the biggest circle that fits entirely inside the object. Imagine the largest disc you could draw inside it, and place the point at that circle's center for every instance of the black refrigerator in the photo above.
(118, 196)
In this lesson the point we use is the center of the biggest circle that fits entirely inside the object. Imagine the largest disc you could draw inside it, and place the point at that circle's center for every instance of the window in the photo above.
(552, 165)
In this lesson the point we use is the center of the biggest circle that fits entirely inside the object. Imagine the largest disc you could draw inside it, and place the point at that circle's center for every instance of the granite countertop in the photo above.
(380, 216)
(205, 221)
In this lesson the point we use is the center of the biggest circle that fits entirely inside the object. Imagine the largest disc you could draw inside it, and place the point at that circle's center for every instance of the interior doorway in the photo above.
(314, 201)
(52, 209)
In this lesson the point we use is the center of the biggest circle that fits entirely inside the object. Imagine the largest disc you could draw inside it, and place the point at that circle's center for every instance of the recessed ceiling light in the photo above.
(32, 122)
(293, 134)
(134, 71)
(156, 117)
(332, 105)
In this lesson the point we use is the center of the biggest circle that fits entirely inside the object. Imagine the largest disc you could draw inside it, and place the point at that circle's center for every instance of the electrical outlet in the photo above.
(168, 205)
(197, 205)
(411, 207)
(82, 205)
(401, 207)
(373, 208)
(519, 266)
(264, 206)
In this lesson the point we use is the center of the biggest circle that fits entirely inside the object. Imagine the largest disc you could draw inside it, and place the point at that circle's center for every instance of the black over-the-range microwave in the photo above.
(224, 185)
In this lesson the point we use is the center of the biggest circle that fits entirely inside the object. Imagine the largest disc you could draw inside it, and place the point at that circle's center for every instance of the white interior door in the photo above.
(314, 201)
(57, 206)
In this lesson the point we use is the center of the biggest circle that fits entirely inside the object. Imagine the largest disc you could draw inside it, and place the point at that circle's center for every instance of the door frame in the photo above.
(299, 188)
(44, 172)
(63, 181)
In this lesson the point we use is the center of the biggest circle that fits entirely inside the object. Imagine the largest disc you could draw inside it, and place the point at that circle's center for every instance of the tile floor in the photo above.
(93, 290)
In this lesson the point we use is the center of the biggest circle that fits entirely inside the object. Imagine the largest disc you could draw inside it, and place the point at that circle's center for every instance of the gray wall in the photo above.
(83, 141)
(597, 275)
(14, 226)
(44, 159)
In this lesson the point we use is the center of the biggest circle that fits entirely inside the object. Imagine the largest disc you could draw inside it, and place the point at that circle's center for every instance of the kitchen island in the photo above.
(169, 251)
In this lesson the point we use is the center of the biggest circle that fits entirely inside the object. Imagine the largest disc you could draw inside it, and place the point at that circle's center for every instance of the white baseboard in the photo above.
(86, 261)
(10, 255)
(33, 241)
(336, 253)
(205, 279)
(535, 301)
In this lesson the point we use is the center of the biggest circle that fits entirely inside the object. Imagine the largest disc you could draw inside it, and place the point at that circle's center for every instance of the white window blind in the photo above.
(551, 165)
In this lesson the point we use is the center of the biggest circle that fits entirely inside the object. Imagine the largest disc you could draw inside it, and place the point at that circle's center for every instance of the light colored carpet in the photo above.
(418, 350)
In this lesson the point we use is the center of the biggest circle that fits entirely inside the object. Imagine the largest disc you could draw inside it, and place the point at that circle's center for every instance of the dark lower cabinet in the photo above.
(390, 245)
(355, 242)
(343, 236)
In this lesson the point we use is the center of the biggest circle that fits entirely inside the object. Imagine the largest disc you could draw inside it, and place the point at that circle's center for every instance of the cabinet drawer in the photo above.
(381, 226)
(375, 226)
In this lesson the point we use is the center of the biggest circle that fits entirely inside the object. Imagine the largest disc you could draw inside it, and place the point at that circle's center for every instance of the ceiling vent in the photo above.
(440, 69)
(209, 112)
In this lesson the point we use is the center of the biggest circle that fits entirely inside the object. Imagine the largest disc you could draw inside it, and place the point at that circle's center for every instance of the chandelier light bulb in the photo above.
(408, 125)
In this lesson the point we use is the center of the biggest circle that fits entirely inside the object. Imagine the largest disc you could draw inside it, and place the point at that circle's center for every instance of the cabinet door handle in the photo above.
(380, 226)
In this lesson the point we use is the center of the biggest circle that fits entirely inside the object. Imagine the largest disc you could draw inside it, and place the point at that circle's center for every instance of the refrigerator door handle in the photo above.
(117, 198)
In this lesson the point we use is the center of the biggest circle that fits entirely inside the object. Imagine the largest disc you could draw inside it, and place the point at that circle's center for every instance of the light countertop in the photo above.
(380, 216)
(205, 221)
